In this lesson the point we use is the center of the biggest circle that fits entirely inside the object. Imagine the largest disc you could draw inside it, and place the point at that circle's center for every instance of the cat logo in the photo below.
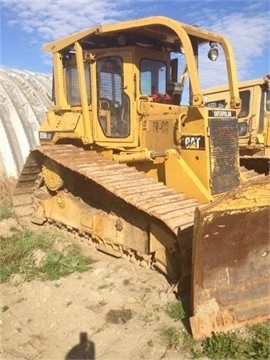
(192, 142)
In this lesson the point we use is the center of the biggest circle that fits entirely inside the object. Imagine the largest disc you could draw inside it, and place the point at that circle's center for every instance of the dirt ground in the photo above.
(118, 306)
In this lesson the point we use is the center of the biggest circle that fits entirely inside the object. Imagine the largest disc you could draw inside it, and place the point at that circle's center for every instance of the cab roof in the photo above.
(151, 31)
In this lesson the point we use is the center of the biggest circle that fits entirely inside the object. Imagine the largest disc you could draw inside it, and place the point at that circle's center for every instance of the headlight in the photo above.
(242, 128)
(213, 52)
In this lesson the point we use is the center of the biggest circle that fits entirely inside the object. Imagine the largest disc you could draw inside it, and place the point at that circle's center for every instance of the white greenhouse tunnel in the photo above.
(24, 99)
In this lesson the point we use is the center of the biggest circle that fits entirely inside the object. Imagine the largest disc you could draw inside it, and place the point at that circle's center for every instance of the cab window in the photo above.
(245, 97)
(153, 77)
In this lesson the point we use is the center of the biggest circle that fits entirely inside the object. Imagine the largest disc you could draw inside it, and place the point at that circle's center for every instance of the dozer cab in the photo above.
(147, 171)
(253, 120)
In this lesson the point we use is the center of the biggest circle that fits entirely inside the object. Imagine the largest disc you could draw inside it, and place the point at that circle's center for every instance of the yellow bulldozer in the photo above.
(127, 165)
(254, 120)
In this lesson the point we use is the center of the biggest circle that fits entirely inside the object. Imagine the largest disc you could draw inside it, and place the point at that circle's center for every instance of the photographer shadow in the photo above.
(84, 350)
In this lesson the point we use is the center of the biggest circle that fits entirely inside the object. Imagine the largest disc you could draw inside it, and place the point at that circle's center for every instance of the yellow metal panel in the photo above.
(88, 136)
(182, 178)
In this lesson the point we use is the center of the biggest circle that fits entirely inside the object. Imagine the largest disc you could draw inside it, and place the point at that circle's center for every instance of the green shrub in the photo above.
(58, 265)
(258, 346)
(222, 346)
(172, 337)
(175, 310)
(230, 345)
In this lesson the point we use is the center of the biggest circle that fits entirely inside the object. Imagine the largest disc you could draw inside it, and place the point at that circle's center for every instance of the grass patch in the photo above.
(16, 253)
(172, 337)
(251, 343)
(17, 257)
(230, 345)
(6, 210)
(175, 310)
(220, 346)
(7, 185)
(157, 308)
(177, 339)
(57, 265)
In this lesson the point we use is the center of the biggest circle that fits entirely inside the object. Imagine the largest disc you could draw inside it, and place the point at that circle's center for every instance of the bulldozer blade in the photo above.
(231, 261)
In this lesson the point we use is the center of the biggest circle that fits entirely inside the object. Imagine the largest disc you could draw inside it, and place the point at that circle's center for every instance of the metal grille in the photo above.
(73, 90)
(224, 154)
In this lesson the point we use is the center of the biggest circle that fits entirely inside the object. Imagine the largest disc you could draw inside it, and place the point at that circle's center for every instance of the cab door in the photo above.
(114, 93)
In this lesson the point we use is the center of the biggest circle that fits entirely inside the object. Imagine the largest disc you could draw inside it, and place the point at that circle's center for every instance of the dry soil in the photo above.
(117, 305)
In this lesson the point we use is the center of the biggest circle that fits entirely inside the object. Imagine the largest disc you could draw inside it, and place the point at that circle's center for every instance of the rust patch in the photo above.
(232, 237)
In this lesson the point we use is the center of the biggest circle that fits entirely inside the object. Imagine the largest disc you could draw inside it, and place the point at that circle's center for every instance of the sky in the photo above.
(27, 25)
